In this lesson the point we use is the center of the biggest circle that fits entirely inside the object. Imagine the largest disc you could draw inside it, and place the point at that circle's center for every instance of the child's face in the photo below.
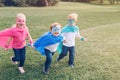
(56, 30)
(20, 22)
(71, 21)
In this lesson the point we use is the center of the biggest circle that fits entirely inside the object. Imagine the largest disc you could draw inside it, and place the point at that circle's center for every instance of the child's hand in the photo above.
(6, 47)
(85, 39)
(64, 41)
(32, 46)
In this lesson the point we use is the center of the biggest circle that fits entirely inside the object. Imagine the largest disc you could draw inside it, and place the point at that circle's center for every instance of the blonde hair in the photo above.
(73, 16)
(54, 24)
(21, 15)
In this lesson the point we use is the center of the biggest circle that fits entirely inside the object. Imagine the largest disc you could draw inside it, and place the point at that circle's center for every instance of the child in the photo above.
(47, 44)
(70, 31)
(14, 37)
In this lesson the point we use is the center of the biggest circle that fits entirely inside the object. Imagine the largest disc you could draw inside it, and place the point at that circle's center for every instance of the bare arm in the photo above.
(81, 37)
(7, 43)
(30, 39)
(29, 36)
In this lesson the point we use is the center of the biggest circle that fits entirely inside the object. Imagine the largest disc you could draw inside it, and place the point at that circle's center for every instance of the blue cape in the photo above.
(67, 28)
(46, 40)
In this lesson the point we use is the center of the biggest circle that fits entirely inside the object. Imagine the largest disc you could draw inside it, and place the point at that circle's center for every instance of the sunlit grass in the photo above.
(97, 59)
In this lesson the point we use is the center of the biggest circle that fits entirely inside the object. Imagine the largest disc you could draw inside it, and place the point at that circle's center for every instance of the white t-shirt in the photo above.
(52, 48)
(70, 38)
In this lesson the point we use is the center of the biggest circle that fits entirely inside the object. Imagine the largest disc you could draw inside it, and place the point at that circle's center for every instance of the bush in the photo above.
(31, 2)
(21, 3)
(78, 0)
(54, 2)
(17, 3)
(1, 5)
(46, 3)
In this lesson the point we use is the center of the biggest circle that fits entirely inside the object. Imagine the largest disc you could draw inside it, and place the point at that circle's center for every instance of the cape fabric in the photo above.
(67, 28)
(4, 35)
(46, 40)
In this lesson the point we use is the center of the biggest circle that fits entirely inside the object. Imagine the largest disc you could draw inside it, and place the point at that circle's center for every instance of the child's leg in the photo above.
(19, 56)
(22, 56)
(63, 53)
(71, 55)
(16, 55)
(48, 60)
(22, 59)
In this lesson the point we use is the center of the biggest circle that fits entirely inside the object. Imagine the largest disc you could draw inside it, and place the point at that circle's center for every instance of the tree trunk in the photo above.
(46, 3)
(117, 1)
(101, 1)
(49, 3)
(112, 1)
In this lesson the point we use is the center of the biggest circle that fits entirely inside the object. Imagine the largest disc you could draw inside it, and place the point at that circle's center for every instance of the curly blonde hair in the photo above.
(73, 16)
(21, 15)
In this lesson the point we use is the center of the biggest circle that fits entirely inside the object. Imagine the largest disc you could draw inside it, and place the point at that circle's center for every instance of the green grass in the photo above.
(97, 59)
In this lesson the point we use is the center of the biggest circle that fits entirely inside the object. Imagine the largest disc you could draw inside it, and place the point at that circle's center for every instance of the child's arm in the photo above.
(30, 39)
(7, 43)
(81, 37)
(29, 36)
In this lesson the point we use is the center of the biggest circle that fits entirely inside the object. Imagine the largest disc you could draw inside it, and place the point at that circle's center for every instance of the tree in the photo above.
(51, 2)
(114, 1)
(21, 3)
(101, 1)
(8, 2)
(78, 0)
(117, 1)
(1, 4)
(46, 2)
(14, 2)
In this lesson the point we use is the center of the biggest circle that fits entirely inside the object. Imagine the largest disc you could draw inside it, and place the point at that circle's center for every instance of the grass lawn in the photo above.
(97, 59)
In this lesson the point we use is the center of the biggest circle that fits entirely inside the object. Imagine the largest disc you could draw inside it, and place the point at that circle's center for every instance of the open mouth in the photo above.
(56, 33)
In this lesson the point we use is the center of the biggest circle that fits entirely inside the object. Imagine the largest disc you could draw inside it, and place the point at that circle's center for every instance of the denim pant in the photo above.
(19, 55)
(64, 52)
(48, 59)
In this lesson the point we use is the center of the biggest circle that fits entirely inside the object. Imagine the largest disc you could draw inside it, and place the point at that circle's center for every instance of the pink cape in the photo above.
(4, 35)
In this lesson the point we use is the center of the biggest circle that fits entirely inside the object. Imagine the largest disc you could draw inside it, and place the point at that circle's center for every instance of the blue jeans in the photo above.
(64, 52)
(19, 55)
(48, 59)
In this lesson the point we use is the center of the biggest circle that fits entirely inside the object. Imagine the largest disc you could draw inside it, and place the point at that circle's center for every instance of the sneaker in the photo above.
(14, 62)
(21, 69)
(72, 66)
(45, 72)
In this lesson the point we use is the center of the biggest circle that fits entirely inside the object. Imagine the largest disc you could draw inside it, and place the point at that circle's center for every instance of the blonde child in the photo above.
(15, 37)
(47, 44)
(70, 31)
